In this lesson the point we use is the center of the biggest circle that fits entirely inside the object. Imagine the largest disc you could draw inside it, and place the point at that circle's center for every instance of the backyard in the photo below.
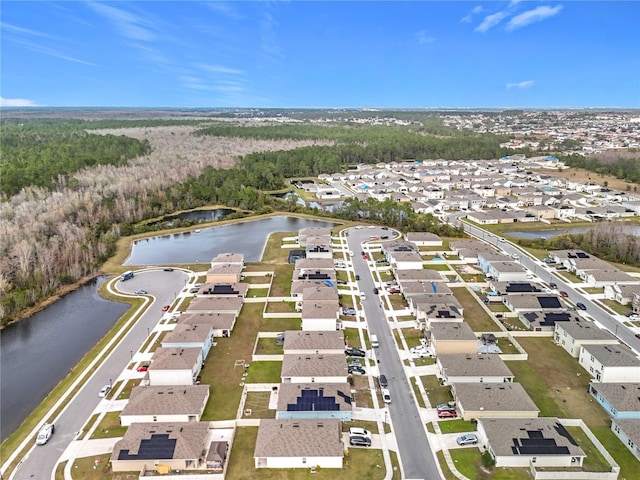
(477, 318)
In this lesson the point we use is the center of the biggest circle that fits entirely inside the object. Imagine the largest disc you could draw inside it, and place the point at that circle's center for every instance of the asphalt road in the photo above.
(416, 457)
(548, 274)
(40, 461)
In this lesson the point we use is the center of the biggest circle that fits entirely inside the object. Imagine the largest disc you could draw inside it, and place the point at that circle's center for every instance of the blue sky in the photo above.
(320, 54)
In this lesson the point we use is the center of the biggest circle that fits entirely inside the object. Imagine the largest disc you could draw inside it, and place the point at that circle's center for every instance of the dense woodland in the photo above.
(87, 187)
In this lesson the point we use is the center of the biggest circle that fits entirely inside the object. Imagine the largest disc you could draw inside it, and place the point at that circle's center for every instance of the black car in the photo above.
(553, 285)
(385, 228)
(357, 277)
(383, 381)
(581, 306)
(384, 237)
(356, 369)
(355, 352)
(358, 441)
(168, 269)
(375, 291)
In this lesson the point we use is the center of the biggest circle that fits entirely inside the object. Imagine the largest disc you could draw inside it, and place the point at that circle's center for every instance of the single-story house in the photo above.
(612, 276)
(424, 275)
(321, 264)
(623, 294)
(299, 444)
(478, 368)
(572, 335)
(493, 400)
(429, 314)
(615, 363)
(175, 366)
(628, 431)
(318, 342)
(522, 442)
(447, 337)
(150, 446)
(404, 260)
(221, 323)
(314, 400)
(224, 289)
(420, 287)
(487, 256)
(509, 288)
(152, 404)
(620, 400)
(319, 251)
(314, 368)
(304, 233)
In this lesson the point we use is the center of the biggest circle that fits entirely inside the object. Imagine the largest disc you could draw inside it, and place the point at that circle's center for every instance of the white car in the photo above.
(104, 390)
(362, 296)
(45, 433)
(351, 253)
(386, 396)
(359, 432)
(421, 352)
(358, 227)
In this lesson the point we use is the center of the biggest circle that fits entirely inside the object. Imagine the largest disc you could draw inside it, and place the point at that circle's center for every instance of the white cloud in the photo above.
(52, 52)
(17, 102)
(466, 19)
(128, 24)
(469, 17)
(477, 9)
(423, 37)
(520, 85)
(7, 27)
(225, 8)
(491, 21)
(531, 16)
(222, 69)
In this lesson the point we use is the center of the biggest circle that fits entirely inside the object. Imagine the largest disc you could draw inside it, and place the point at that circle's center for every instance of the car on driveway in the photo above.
(45, 433)
(468, 439)
(421, 351)
(447, 414)
(632, 314)
(445, 406)
(359, 432)
(563, 293)
(355, 352)
(166, 308)
(348, 311)
(142, 368)
(358, 441)
(394, 290)
(356, 369)
(104, 390)
(581, 306)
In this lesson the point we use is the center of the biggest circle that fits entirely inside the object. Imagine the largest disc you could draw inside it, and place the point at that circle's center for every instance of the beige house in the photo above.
(175, 366)
(314, 368)
(320, 316)
(453, 338)
(165, 404)
(161, 447)
(479, 368)
(225, 273)
(493, 400)
(319, 342)
(228, 258)
(299, 444)
(231, 305)
(221, 323)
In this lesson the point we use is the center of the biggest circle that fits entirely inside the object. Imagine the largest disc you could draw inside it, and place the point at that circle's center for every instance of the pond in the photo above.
(248, 237)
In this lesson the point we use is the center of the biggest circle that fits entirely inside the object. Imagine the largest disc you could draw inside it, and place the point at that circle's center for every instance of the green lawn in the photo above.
(352, 337)
(267, 346)
(257, 292)
(258, 403)
(281, 286)
(281, 307)
(412, 336)
(359, 464)
(109, 427)
(594, 462)
(264, 372)
(437, 393)
(457, 426)
(468, 461)
(273, 252)
(440, 267)
(279, 324)
(594, 290)
(477, 318)
(616, 307)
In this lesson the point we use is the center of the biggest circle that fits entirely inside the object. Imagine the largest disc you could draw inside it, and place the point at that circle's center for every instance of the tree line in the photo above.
(623, 168)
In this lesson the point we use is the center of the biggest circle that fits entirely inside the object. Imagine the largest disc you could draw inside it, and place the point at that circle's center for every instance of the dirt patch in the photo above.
(587, 176)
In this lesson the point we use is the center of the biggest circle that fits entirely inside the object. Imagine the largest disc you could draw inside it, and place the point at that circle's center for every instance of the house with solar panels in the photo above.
(538, 442)
(314, 400)
(224, 289)
(546, 321)
(162, 447)
(519, 303)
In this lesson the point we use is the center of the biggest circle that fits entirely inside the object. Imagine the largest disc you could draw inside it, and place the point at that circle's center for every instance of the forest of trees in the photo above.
(623, 168)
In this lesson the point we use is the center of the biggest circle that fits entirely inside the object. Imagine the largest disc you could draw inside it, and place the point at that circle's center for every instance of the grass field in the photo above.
(477, 318)
(264, 372)
(437, 393)
(267, 346)
(457, 426)
(258, 403)
(109, 427)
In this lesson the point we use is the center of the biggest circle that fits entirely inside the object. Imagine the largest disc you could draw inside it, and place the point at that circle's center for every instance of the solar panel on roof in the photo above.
(582, 255)
(549, 302)
(159, 446)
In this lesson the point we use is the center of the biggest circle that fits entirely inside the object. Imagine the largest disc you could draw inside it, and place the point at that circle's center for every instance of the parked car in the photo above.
(581, 306)
(375, 291)
(394, 290)
(140, 292)
(362, 296)
(357, 277)
(354, 363)
(280, 339)
(104, 390)
(142, 368)
(421, 351)
(168, 269)
(359, 432)
(45, 433)
(386, 396)
(358, 441)
(445, 406)
(553, 285)
(563, 293)
(637, 335)
(447, 414)
(362, 253)
(501, 239)
(341, 282)
(194, 290)
(365, 257)
(355, 352)
(561, 267)
(384, 237)
(382, 380)
(355, 369)
(348, 311)
(468, 439)
(166, 308)
(632, 314)
(351, 253)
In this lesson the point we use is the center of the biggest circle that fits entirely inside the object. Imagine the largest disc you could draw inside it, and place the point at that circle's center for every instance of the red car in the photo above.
(166, 308)
(365, 256)
(394, 290)
(143, 368)
(563, 293)
(447, 414)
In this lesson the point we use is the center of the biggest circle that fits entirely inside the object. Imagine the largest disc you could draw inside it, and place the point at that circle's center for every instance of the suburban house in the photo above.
(420, 304)
(310, 274)
(305, 233)
(453, 338)
(320, 294)
(628, 431)
(299, 286)
(479, 368)
(314, 368)
(487, 256)
(612, 276)
(506, 271)
(314, 400)
(225, 273)
(190, 336)
(320, 250)
(231, 305)
(546, 321)
(175, 366)
(228, 258)
(493, 400)
(299, 444)
(421, 287)
(161, 447)
(423, 275)
(572, 335)
(221, 323)
(318, 342)
(428, 314)
(523, 302)
(522, 442)
(224, 289)
(321, 264)
(423, 239)
(619, 400)
(320, 316)
(165, 404)
(610, 363)
(623, 294)
(404, 260)
(509, 288)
